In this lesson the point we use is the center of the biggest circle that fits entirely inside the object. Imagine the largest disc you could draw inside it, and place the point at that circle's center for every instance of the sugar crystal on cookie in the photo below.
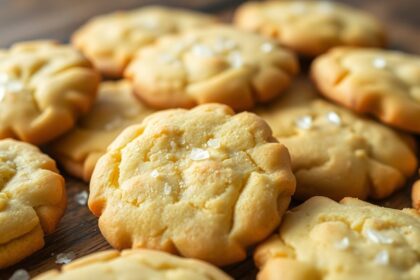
(202, 50)
(343, 244)
(334, 118)
(382, 258)
(267, 47)
(199, 154)
(379, 62)
(377, 237)
(235, 59)
(214, 143)
(154, 173)
(304, 122)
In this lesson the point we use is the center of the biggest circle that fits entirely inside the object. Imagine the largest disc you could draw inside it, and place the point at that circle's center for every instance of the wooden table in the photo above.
(34, 19)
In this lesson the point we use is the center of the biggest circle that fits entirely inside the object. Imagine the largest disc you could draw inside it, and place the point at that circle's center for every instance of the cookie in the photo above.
(216, 64)
(415, 195)
(115, 109)
(111, 40)
(202, 183)
(146, 264)
(323, 239)
(32, 200)
(44, 88)
(336, 153)
(310, 27)
(385, 84)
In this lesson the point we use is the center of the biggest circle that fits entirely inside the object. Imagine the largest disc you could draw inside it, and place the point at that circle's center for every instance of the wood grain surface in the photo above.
(57, 19)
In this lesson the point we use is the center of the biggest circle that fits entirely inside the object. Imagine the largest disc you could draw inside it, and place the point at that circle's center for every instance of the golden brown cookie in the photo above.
(111, 41)
(336, 153)
(140, 264)
(322, 239)
(415, 195)
(32, 200)
(44, 88)
(216, 64)
(115, 109)
(382, 83)
(311, 27)
(202, 183)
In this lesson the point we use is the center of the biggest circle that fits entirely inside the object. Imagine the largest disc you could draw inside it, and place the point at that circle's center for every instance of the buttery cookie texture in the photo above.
(202, 183)
(116, 108)
(44, 88)
(323, 239)
(311, 27)
(111, 41)
(32, 200)
(140, 264)
(215, 64)
(382, 83)
(336, 153)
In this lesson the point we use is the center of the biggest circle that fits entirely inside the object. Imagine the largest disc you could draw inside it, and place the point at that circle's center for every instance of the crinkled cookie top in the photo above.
(323, 239)
(32, 195)
(115, 109)
(44, 88)
(311, 27)
(383, 83)
(215, 64)
(203, 183)
(336, 153)
(146, 264)
(112, 40)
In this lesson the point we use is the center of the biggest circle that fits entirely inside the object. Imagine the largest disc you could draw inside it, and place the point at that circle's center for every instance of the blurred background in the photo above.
(57, 19)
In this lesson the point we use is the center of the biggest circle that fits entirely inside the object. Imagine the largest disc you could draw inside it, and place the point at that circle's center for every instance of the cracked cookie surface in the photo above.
(32, 200)
(115, 109)
(336, 153)
(202, 183)
(215, 64)
(385, 84)
(44, 88)
(111, 41)
(323, 239)
(310, 27)
(145, 264)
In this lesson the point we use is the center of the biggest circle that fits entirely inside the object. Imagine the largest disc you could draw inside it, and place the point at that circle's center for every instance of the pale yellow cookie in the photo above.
(115, 109)
(336, 153)
(382, 83)
(202, 183)
(216, 64)
(311, 27)
(32, 200)
(111, 41)
(135, 264)
(44, 88)
(325, 240)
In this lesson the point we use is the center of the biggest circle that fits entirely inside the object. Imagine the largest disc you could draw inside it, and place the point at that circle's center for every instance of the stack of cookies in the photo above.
(206, 132)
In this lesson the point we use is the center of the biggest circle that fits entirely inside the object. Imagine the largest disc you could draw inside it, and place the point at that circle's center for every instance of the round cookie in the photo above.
(146, 264)
(311, 27)
(382, 83)
(110, 41)
(44, 88)
(32, 200)
(202, 183)
(323, 239)
(415, 195)
(216, 64)
(116, 108)
(336, 153)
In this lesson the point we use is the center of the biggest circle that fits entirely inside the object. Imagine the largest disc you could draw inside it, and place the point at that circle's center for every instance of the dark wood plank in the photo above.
(57, 19)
